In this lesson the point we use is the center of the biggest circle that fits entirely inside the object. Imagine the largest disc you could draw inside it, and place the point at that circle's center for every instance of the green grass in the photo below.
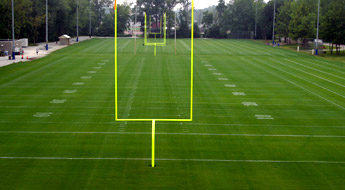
(225, 147)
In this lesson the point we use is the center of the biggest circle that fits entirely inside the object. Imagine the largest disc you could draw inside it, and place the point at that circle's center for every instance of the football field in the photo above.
(263, 118)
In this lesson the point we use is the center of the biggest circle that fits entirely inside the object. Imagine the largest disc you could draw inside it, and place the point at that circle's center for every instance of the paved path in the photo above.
(30, 51)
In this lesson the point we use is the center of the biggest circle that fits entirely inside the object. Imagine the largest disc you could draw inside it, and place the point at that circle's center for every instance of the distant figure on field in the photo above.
(37, 51)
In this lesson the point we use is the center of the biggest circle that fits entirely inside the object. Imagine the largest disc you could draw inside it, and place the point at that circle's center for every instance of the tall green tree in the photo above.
(207, 20)
(303, 19)
(184, 19)
(283, 20)
(333, 23)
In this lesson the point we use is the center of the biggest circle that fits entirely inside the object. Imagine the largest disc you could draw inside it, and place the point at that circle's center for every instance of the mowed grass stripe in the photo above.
(306, 127)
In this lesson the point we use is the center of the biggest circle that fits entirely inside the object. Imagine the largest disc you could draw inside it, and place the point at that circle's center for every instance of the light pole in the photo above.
(317, 30)
(77, 21)
(135, 28)
(256, 15)
(175, 32)
(13, 46)
(90, 17)
(47, 25)
(274, 21)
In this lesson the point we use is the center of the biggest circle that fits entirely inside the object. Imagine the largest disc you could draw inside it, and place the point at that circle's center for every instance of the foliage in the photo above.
(196, 32)
(303, 19)
(294, 18)
(333, 23)
(207, 20)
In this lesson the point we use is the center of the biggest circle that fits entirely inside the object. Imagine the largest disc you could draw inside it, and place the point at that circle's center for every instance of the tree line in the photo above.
(294, 19)
(30, 18)
(238, 18)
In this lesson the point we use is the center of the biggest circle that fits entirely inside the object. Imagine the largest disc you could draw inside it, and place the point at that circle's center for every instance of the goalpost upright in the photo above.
(153, 121)
(164, 34)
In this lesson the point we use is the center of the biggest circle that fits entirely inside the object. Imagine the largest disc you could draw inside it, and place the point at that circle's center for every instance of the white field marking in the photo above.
(178, 115)
(86, 77)
(333, 69)
(223, 79)
(106, 60)
(310, 74)
(201, 124)
(97, 67)
(248, 46)
(208, 65)
(70, 91)
(239, 93)
(33, 72)
(330, 64)
(264, 117)
(174, 159)
(249, 103)
(315, 69)
(212, 69)
(177, 108)
(92, 72)
(78, 83)
(230, 85)
(121, 47)
(185, 45)
(204, 61)
(217, 73)
(295, 83)
(129, 103)
(101, 63)
(43, 114)
(56, 101)
(162, 133)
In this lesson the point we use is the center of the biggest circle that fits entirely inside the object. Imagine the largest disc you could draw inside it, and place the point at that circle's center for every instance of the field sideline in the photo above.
(264, 118)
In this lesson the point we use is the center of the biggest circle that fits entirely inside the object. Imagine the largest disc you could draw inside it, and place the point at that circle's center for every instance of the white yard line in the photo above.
(177, 115)
(309, 73)
(303, 78)
(175, 159)
(339, 67)
(162, 133)
(343, 108)
(326, 67)
(194, 124)
(315, 69)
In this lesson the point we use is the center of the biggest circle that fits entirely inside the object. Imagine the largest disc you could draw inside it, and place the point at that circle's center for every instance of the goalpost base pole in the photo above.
(155, 50)
(153, 143)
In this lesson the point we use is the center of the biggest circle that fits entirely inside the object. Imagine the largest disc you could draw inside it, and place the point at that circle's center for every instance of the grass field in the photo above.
(264, 118)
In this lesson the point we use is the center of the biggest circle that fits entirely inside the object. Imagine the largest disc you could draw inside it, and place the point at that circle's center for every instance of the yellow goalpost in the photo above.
(155, 120)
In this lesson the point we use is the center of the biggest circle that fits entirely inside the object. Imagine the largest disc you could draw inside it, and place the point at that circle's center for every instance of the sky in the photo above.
(199, 4)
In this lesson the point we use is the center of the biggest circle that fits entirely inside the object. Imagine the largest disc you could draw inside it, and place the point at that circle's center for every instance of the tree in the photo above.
(303, 19)
(333, 24)
(123, 15)
(220, 11)
(207, 20)
(283, 19)
(184, 19)
(196, 30)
